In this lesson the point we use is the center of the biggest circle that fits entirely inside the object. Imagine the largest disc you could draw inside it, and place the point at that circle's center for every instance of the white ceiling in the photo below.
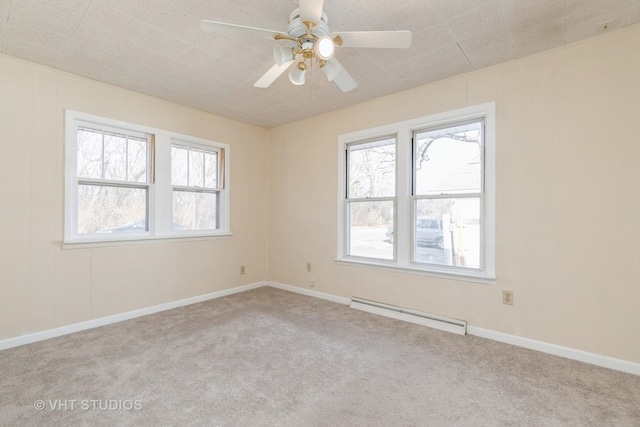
(156, 46)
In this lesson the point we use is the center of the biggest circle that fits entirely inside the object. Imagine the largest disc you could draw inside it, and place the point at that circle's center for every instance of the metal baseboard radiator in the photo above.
(431, 320)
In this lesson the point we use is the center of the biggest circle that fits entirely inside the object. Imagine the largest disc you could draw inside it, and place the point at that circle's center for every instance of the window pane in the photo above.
(196, 168)
(89, 154)
(137, 160)
(371, 229)
(103, 209)
(372, 169)
(179, 165)
(194, 210)
(115, 157)
(449, 160)
(211, 170)
(447, 232)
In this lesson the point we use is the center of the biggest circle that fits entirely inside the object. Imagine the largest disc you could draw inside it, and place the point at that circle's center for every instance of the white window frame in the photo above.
(160, 201)
(404, 199)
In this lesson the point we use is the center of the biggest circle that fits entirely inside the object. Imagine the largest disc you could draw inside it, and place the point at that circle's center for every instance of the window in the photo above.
(447, 194)
(371, 194)
(130, 182)
(194, 177)
(421, 200)
(112, 181)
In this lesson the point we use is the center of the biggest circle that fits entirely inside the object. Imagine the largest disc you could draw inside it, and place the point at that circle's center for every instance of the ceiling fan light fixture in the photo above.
(282, 54)
(324, 48)
(296, 75)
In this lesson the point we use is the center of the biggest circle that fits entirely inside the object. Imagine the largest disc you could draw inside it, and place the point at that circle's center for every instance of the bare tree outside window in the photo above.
(448, 190)
(110, 167)
(194, 176)
(371, 197)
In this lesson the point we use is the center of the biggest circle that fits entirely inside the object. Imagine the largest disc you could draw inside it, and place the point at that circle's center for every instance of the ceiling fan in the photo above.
(308, 39)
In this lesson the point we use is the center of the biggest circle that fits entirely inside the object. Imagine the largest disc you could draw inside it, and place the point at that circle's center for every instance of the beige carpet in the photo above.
(273, 358)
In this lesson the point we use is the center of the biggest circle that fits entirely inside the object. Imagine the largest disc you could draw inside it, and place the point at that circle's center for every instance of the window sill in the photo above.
(464, 276)
(138, 240)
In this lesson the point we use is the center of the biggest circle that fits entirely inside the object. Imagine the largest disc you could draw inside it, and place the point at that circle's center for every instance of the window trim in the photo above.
(159, 183)
(404, 196)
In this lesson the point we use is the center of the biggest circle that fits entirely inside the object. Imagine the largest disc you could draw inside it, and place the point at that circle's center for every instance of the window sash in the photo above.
(482, 227)
(126, 185)
(364, 145)
(217, 193)
(448, 125)
(104, 130)
(348, 228)
(220, 160)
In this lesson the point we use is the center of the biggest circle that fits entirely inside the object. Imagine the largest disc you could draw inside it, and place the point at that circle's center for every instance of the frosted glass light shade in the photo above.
(324, 48)
(296, 75)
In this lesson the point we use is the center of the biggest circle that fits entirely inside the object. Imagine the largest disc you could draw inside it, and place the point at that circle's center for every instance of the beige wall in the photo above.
(567, 213)
(43, 286)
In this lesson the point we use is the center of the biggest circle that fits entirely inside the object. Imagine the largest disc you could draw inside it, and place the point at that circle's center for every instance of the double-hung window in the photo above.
(112, 181)
(370, 200)
(421, 200)
(131, 182)
(448, 194)
(195, 182)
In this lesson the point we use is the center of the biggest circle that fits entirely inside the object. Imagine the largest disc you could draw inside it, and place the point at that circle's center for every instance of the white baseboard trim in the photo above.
(569, 353)
(310, 293)
(557, 350)
(94, 323)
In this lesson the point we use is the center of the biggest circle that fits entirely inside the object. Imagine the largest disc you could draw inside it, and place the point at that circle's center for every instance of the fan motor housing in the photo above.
(298, 29)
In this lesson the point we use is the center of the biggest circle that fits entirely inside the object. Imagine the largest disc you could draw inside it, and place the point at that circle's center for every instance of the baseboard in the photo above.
(310, 293)
(557, 350)
(94, 323)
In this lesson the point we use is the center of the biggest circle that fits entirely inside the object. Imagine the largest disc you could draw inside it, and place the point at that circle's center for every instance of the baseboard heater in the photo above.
(431, 320)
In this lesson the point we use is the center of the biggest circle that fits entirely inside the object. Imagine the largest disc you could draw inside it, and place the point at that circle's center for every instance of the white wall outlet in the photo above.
(308, 267)
(242, 269)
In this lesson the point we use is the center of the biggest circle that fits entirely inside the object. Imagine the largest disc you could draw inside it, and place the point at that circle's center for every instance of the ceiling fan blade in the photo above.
(311, 10)
(273, 73)
(237, 30)
(374, 39)
(343, 79)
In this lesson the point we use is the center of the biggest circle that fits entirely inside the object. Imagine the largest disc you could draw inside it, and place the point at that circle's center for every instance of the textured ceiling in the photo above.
(156, 47)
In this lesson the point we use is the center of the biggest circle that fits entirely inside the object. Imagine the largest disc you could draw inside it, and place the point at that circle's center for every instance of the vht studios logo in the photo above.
(88, 405)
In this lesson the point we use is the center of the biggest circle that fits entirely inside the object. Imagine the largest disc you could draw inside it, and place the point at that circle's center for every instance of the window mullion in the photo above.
(403, 192)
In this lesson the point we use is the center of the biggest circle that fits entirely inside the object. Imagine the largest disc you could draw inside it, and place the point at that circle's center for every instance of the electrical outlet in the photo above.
(242, 269)
(308, 267)
(507, 297)
(312, 283)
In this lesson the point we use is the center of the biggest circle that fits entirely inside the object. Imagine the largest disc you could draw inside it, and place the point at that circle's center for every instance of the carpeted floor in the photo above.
(273, 358)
